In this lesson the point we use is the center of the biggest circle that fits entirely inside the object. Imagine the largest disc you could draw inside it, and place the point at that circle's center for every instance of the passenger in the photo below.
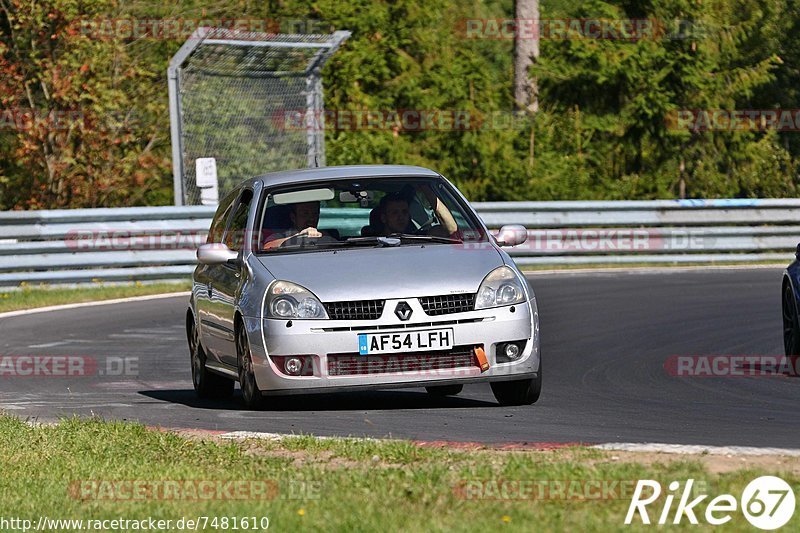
(303, 215)
(395, 215)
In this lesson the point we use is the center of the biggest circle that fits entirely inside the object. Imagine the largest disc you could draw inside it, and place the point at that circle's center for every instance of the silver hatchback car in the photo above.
(359, 277)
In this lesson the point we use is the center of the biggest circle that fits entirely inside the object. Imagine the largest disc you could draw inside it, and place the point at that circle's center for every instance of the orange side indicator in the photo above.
(482, 360)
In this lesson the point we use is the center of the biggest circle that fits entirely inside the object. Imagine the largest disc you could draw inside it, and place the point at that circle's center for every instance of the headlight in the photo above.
(501, 287)
(286, 300)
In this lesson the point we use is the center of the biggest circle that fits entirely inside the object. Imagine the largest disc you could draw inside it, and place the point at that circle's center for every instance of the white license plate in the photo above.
(406, 341)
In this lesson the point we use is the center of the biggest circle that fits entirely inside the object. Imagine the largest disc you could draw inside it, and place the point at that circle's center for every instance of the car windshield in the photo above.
(365, 212)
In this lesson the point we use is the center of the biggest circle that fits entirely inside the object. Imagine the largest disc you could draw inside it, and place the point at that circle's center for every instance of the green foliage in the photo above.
(86, 120)
(627, 91)
(602, 131)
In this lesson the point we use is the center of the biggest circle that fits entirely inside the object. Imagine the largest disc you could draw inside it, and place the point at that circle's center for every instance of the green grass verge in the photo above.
(29, 297)
(322, 484)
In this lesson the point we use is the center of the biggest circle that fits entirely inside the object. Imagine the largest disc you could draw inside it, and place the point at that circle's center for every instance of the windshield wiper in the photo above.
(378, 240)
(351, 241)
(427, 238)
(396, 239)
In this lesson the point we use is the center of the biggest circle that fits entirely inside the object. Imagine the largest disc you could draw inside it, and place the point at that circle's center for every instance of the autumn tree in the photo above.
(75, 132)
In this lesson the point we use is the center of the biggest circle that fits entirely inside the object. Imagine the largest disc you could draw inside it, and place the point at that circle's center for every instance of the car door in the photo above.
(204, 278)
(227, 280)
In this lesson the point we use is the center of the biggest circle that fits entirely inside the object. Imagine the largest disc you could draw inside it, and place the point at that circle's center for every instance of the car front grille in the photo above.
(448, 303)
(355, 310)
(379, 327)
(353, 364)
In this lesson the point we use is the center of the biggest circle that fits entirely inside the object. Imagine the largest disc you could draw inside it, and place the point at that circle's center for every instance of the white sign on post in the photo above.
(206, 172)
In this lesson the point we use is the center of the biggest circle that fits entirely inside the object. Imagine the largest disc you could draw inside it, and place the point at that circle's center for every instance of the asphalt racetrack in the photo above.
(606, 339)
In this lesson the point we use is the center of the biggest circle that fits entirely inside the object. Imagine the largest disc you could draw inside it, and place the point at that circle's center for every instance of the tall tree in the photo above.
(710, 56)
(526, 53)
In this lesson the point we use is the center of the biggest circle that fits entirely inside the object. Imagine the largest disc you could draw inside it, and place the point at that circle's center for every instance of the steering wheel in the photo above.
(424, 227)
(299, 240)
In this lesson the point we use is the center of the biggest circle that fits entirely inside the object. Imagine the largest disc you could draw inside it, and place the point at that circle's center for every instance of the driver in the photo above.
(303, 215)
(396, 216)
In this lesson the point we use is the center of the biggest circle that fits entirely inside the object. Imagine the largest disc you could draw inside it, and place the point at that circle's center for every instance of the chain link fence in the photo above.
(236, 97)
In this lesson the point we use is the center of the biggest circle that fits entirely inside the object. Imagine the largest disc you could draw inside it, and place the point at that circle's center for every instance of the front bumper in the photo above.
(320, 338)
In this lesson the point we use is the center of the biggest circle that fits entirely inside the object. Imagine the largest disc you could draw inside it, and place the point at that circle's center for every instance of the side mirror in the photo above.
(797, 252)
(215, 253)
(512, 235)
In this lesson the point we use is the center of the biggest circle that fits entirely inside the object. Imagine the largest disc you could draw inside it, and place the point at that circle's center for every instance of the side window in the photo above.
(234, 236)
(220, 219)
(421, 211)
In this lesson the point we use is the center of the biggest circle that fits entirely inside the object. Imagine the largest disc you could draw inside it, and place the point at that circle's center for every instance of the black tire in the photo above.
(520, 392)
(444, 390)
(251, 395)
(791, 325)
(207, 384)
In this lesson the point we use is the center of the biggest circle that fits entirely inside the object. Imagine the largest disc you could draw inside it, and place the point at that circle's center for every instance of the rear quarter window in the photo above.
(219, 222)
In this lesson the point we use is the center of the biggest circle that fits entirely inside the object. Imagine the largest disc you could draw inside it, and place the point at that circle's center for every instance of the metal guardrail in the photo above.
(146, 243)
(657, 231)
(86, 245)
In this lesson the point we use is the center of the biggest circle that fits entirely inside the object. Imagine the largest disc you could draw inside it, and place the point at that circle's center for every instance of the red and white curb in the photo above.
(257, 435)
(690, 449)
(636, 447)
(245, 435)
(680, 449)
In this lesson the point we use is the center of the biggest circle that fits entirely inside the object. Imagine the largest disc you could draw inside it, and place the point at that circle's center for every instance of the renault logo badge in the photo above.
(403, 311)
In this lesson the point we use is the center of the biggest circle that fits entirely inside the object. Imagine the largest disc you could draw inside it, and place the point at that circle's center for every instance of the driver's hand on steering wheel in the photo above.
(310, 232)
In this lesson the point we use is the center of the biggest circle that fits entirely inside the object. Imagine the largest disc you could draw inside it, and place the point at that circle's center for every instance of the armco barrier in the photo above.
(146, 243)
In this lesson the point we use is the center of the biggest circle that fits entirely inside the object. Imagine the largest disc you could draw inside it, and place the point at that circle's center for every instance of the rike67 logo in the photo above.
(767, 502)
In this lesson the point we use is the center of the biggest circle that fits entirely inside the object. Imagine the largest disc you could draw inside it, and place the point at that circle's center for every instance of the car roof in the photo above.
(337, 172)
